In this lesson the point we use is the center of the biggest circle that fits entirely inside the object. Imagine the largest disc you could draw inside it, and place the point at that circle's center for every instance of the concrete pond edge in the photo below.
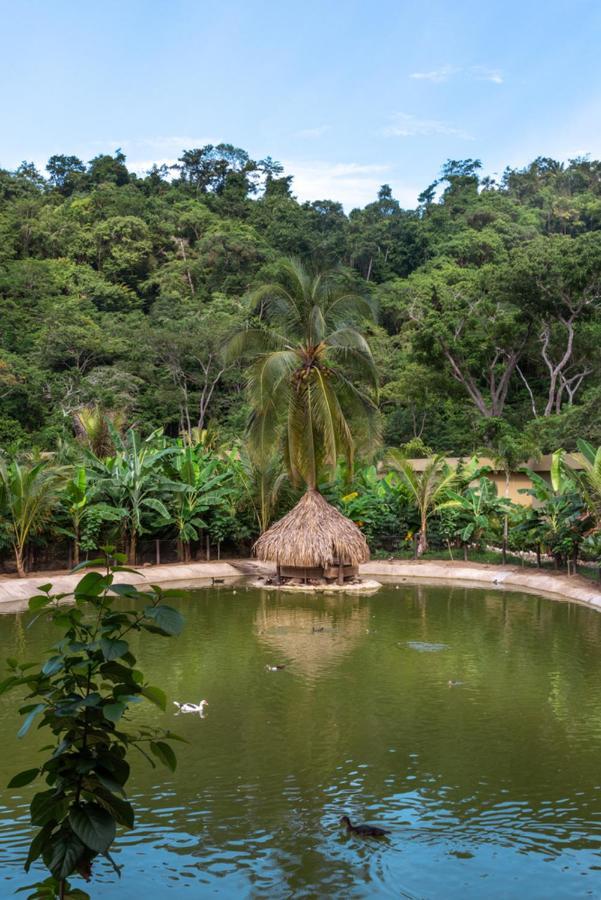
(15, 592)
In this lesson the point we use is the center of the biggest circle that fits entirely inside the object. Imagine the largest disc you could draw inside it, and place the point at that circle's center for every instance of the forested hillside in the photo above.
(120, 291)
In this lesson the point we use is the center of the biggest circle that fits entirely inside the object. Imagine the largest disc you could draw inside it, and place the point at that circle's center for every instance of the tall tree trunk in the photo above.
(76, 546)
(19, 561)
(422, 542)
(133, 546)
(506, 520)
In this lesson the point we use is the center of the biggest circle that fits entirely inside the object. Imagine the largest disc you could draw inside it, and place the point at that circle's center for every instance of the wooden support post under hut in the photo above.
(314, 543)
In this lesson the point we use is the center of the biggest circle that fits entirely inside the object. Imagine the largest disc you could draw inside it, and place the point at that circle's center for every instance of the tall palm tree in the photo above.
(29, 493)
(312, 378)
(429, 490)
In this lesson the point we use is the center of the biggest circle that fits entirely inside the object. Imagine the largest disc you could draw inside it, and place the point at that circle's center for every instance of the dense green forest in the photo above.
(119, 291)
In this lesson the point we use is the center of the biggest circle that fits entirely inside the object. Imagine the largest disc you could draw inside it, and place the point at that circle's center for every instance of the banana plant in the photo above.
(86, 512)
(77, 495)
(372, 503)
(200, 483)
(590, 479)
(133, 482)
(559, 515)
(479, 512)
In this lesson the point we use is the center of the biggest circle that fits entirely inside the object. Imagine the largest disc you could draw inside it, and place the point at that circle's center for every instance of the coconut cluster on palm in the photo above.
(311, 385)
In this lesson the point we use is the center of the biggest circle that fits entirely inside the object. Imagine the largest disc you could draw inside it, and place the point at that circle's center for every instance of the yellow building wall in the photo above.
(517, 481)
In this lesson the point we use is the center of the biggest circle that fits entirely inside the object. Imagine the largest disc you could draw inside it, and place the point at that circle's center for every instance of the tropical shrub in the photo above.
(29, 495)
(81, 695)
(559, 519)
(429, 491)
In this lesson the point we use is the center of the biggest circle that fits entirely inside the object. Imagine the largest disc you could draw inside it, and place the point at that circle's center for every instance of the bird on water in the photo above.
(363, 830)
(191, 707)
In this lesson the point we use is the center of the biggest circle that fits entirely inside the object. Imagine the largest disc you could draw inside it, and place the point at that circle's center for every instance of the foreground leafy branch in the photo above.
(82, 694)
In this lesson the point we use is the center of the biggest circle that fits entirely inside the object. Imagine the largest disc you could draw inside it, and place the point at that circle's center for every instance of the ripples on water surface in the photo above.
(466, 721)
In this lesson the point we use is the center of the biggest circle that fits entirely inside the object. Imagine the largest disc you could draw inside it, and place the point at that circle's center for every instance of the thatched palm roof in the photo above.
(313, 534)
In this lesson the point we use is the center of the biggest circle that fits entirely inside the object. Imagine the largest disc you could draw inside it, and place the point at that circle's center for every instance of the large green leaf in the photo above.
(38, 844)
(93, 825)
(46, 807)
(153, 503)
(121, 809)
(27, 723)
(25, 777)
(53, 665)
(113, 711)
(113, 649)
(155, 695)
(165, 753)
(93, 584)
(106, 781)
(169, 620)
(66, 852)
(39, 602)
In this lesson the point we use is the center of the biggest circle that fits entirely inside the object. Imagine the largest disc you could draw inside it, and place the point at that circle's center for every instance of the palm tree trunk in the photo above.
(506, 520)
(76, 546)
(132, 548)
(422, 542)
(19, 561)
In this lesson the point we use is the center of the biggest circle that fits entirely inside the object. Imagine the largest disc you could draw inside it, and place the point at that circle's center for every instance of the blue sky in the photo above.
(348, 94)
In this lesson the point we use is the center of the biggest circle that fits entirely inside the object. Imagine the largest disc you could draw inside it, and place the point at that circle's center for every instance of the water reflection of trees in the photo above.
(361, 722)
(313, 638)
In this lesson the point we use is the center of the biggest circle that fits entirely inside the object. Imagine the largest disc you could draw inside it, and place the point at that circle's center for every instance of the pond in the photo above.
(490, 785)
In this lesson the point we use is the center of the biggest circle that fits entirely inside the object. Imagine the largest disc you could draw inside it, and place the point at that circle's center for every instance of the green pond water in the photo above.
(491, 787)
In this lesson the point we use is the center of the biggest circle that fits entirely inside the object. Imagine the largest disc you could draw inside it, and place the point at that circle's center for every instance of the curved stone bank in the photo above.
(15, 592)
(512, 578)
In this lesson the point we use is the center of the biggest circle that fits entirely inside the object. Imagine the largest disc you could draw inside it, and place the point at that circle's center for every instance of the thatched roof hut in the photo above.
(314, 540)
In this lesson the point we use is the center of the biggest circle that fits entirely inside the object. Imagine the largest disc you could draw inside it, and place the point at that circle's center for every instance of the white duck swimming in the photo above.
(191, 707)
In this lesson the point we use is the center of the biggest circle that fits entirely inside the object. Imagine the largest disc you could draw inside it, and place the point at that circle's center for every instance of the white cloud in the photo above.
(310, 133)
(444, 73)
(142, 166)
(352, 184)
(436, 75)
(484, 73)
(407, 125)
